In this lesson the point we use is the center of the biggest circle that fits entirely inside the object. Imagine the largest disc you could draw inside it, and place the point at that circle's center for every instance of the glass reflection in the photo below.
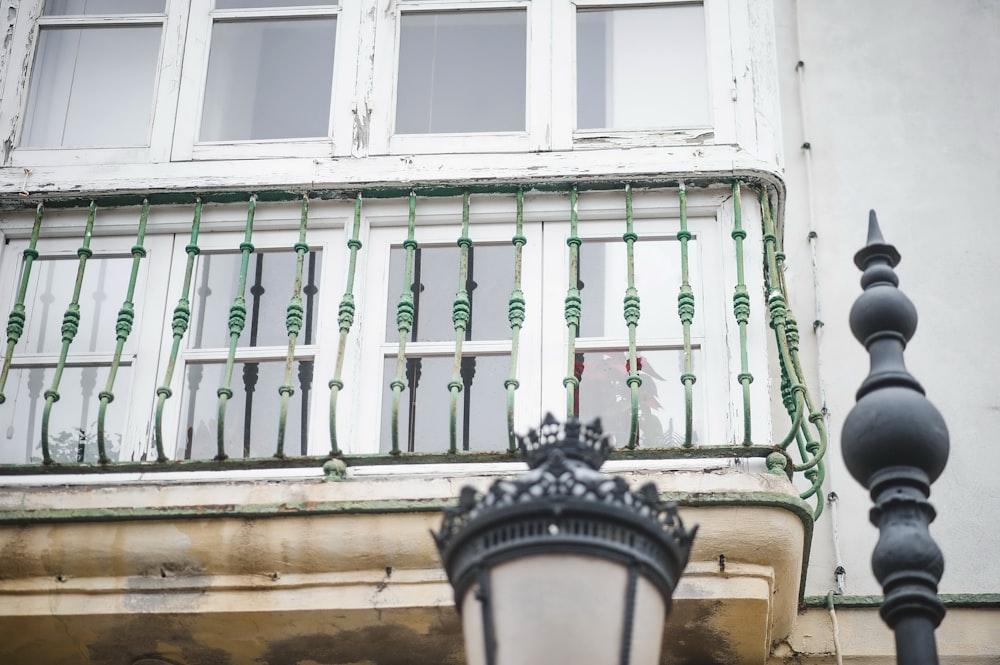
(251, 428)
(72, 421)
(435, 274)
(270, 282)
(604, 393)
(425, 403)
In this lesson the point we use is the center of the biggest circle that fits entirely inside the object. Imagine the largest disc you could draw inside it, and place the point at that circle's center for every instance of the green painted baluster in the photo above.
(461, 310)
(685, 310)
(122, 330)
(237, 320)
(15, 322)
(631, 302)
(572, 309)
(515, 314)
(70, 325)
(293, 325)
(345, 318)
(179, 324)
(404, 321)
(741, 308)
(794, 393)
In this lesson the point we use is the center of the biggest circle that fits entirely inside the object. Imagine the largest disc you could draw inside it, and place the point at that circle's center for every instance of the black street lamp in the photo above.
(563, 564)
(895, 443)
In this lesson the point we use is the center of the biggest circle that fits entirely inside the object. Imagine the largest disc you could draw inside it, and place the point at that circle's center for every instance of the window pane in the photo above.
(641, 67)
(270, 281)
(481, 412)
(604, 278)
(252, 413)
(85, 7)
(435, 270)
(604, 393)
(73, 421)
(269, 80)
(50, 291)
(92, 87)
(461, 72)
(255, 4)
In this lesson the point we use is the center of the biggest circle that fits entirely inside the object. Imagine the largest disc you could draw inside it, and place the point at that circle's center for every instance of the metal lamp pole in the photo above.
(895, 443)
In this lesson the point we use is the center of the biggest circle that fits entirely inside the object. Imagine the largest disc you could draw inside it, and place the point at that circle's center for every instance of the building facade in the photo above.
(284, 275)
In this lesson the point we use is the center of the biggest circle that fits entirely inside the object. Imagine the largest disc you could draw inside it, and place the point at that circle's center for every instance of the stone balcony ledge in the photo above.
(265, 568)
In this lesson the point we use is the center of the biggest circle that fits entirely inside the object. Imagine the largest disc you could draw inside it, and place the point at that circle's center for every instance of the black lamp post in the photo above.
(895, 443)
(563, 564)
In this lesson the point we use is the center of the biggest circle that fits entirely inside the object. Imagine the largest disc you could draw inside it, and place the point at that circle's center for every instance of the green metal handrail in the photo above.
(15, 322)
(515, 315)
(461, 313)
(70, 326)
(811, 441)
(806, 436)
(573, 309)
(179, 325)
(345, 319)
(237, 321)
(293, 325)
(405, 311)
(631, 313)
(123, 329)
(685, 310)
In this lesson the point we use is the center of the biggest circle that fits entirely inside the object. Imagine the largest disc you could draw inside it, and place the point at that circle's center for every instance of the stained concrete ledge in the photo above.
(253, 571)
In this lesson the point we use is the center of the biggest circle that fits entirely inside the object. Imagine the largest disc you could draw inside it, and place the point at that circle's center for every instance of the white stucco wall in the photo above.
(903, 114)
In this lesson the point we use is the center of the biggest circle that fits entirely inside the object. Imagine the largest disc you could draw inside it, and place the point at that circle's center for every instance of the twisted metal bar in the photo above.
(631, 313)
(237, 320)
(572, 308)
(460, 315)
(70, 326)
(293, 325)
(179, 325)
(685, 310)
(405, 311)
(15, 322)
(345, 319)
(795, 394)
(741, 309)
(515, 315)
(123, 328)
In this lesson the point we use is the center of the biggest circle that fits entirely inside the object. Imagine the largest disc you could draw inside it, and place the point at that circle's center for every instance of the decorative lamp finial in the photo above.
(895, 443)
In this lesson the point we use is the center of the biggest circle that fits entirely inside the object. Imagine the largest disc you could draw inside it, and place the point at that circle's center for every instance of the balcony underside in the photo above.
(308, 571)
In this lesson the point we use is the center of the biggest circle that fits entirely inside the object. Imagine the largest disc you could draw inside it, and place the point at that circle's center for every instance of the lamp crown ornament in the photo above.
(561, 509)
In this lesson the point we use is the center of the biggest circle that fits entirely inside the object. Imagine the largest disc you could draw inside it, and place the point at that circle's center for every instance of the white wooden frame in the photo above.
(186, 144)
(163, 105)
(565, 135)
(384, 140)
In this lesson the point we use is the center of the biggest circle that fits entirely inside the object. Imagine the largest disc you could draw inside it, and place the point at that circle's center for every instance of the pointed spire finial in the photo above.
(876, 247)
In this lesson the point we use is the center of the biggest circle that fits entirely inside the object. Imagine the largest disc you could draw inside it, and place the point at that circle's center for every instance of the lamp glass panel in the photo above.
(564, 608)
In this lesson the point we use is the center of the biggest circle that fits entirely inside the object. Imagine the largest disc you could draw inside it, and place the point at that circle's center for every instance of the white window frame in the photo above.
(16, 86)
(337, 142)
(384, 140)
(721, 91)
(363, 98)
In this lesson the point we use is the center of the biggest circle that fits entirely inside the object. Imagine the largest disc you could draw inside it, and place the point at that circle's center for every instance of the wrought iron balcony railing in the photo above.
(41, 358)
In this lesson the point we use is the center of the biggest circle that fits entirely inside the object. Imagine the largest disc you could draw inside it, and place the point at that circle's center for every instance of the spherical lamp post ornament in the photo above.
(895, 443)
(563, 564)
